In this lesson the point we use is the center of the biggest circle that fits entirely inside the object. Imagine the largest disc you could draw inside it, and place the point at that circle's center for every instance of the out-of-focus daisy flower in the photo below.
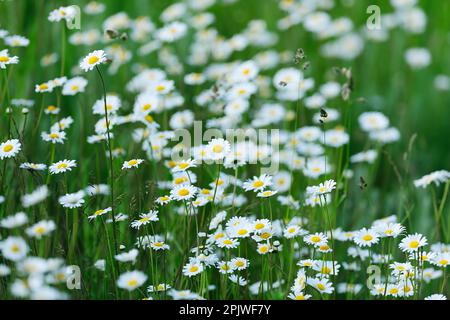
(14, 248)
(134, 163)
(145, 218)
(131, 280)
(63, 13)
(99, 213)
(418, 58)
(436, 296)
(74, 86)
(41, 228)
(16, 41)
(37, 196)
(72, 200)
(129, 256)
(6, 59)
(14, 221)
(436, 177)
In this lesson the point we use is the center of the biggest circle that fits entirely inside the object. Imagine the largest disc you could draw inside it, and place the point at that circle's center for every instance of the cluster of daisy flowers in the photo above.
(211, 224)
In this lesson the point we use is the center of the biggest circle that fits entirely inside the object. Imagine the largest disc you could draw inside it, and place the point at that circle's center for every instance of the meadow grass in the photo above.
(381, 81)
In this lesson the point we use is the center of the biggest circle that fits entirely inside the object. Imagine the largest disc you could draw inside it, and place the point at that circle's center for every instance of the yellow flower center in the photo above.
(183, 165)
(144, 220)
(183, 192)
(75, 88)
(217, 148)
(264, 249)
(242, 232)
(259, 226)
(62, 166)
(43, 86)
(414, 244)
(147, 107)
(40, 230)
(367, 237)
(320, 286)
(193, 269)
(227, 241)
(132, 162)
(93, 60)
(99, 212)
(15, 248)
(239, 263)
(160, 88)
(8, 148)
(149, 119)
(165, 198)
(265, 235)
(258, 184)
(315, 239)
(54, 135)
(443, 262)
(132, 283)
(4, 59)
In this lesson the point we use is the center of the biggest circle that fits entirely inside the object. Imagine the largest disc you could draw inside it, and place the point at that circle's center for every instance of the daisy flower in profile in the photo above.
(218, 149)
(441, 259)
(54, 136)
(241, 281)
(44, 87)
(33, 166)
(321, 284)
(436, 296)
(6, 59)
(389, 229)
(35, 197)
(366, 237)
(436, 177)
(413, 242)
(267, 193)
(52, 110)
(192, 268)
(41, 228)
(323, 188)
(159, 245)
(131, 280)
(183, 192)
(298, 295)
(62, 13)
(145, 218)
(163, 200)
(99, 213)
(14, 248)
(258, 183)
(183, 165)
(14, 221)
(72, 200)
(158, 288)
(92, 60)
(129, 256)
(134, 163)
(62, 166)
(9, 148)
